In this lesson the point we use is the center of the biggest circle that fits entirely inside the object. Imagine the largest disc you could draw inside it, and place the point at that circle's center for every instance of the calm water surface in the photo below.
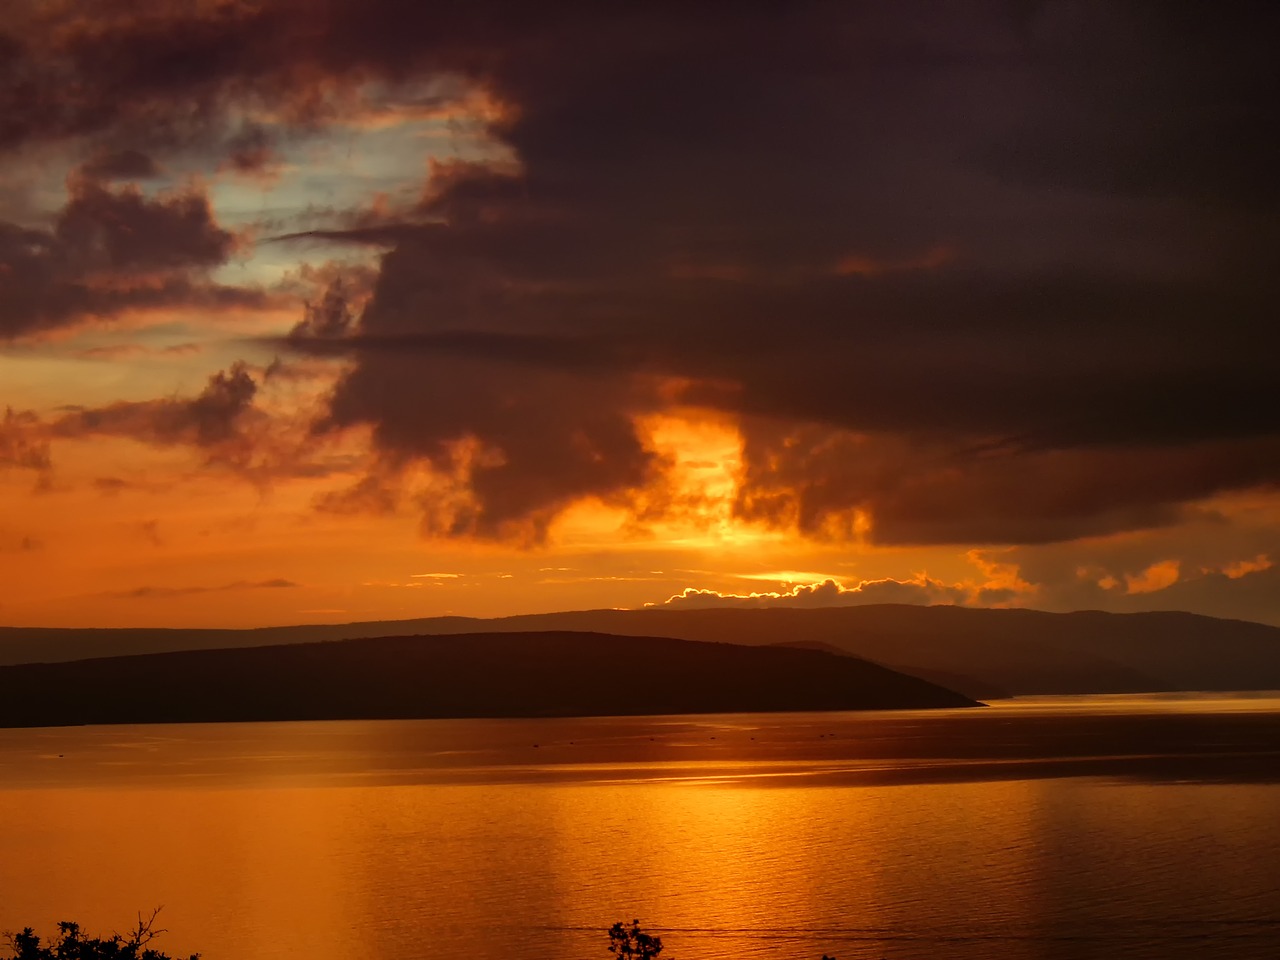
(1137, 827)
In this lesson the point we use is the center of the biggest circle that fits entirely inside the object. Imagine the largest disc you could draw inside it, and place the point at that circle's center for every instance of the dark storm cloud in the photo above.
(122, 230)
(227, 424)
(221, 421)
(1180, 110)
(753, 203)
(214, 419)
(174, 74)
(546, 437)
(250, 151)
(925, 491)
(103, 68)
(327, 318)
(121, 165)
(111, 249)
(1017, 254)
(22, 447)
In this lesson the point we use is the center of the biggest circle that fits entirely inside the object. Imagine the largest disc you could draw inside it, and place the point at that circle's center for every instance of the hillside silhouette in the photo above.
(468, 675)
(982, 652)
(961, 683)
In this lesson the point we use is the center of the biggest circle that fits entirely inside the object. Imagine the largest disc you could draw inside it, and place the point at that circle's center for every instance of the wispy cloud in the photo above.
(167, 593)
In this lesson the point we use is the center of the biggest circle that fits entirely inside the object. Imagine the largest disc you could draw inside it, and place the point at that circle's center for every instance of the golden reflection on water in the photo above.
(260, 843)
(540, 870)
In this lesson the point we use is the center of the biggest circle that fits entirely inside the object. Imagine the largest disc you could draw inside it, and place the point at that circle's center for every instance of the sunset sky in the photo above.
(330, 310)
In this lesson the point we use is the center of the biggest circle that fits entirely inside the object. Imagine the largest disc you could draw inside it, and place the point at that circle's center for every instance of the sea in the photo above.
(1036, 828)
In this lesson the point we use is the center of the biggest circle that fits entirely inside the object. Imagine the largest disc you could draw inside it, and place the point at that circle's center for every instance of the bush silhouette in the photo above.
(631, 941)
(70, 943)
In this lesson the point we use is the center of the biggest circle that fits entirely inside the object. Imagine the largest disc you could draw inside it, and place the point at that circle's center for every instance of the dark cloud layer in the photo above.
(221, 421)
(121, 165)
(171, 593)
(228, 425)
(215, 418)
(110, 249)
(989, 272)
(21, 445)
(928, 491)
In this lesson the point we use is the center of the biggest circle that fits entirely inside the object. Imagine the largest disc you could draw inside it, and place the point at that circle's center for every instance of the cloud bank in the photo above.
(828, 593)
(996, 274)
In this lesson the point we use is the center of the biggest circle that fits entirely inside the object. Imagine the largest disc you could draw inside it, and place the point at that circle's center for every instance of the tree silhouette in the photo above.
(70, 943)
(631, 941)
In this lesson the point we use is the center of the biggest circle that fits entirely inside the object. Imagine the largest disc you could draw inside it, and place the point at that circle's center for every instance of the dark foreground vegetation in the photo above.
(69, 943)
(632, 942)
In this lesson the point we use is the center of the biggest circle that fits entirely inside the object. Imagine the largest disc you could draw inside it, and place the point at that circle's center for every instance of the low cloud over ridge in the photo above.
(828, 593)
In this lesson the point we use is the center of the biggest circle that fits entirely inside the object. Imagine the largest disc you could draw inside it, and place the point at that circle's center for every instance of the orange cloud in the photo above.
(1004, 583)
(1158, 576)
(1242, 568)
(829, 593)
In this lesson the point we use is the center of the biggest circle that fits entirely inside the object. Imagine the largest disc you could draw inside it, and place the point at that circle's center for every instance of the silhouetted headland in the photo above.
(468, 675)
(980, 652)
(961, 683)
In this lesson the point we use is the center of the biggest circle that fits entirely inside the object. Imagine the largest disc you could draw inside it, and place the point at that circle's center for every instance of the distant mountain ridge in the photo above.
(1019, 651)
(542, 674)
(952, 681)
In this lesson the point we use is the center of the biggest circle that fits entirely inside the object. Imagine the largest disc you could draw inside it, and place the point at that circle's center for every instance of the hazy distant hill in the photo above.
(961, 683)
(468, 675)
(1021, 651)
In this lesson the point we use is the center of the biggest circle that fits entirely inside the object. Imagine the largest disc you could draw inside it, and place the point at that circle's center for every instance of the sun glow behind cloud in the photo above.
(594, 327)
(693, 505)
(688, 503)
